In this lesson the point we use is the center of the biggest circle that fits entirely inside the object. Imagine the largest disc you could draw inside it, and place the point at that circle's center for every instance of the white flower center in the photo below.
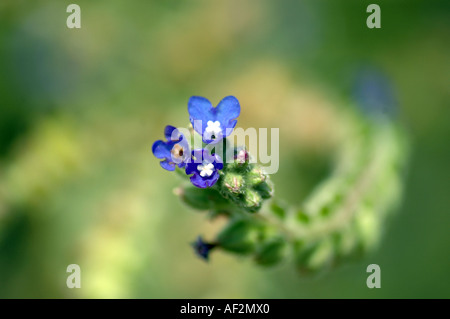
(213, 129)
(205, 169)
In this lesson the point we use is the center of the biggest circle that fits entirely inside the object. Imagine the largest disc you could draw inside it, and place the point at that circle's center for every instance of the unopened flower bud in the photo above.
(252, 200)
(234, 183)
(256, 176)
(202, 248)
(242, 156)
(265, 189)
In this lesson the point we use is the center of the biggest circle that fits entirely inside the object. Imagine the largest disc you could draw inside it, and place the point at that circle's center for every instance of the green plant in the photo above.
(343, 216)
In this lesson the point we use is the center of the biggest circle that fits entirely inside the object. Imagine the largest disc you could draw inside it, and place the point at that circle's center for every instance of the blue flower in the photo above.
(175, 151)
(213, 123)
(374, 92)
(202, 248)
(205, 168)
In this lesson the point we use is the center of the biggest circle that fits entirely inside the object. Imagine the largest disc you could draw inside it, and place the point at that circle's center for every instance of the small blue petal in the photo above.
(213, 179)
(191, 168)
(227, 111)
(199, 155)
(218, 163)
(170, 166)
(161, 150)
(202, 182)
(168, 132)
(165, 150)
(207, 157)
(199, 109)
(198, 181)
(230, 128)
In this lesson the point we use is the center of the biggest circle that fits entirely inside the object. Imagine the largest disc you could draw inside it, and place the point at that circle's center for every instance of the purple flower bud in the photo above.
(202, 248)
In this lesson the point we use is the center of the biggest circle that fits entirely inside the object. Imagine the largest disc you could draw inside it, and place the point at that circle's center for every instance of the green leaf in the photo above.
(271, 252)
(202, 199)
(239, 236)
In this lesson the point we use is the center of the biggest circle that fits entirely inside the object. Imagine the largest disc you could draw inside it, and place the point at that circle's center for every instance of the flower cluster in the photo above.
(213, 124)
(238, 188)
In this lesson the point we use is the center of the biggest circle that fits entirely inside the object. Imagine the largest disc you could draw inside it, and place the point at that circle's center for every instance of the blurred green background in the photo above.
(80, 109)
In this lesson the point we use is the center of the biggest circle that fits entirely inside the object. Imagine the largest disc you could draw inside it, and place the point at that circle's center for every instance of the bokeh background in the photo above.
(80, 109)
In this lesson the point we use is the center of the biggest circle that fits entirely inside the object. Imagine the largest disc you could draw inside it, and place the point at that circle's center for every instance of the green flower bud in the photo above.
(256, 176)
(252, 200)
(265, 189)
(271, 252)
(241, 162)
(239, 236)
(233, 183)
(242, 157)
